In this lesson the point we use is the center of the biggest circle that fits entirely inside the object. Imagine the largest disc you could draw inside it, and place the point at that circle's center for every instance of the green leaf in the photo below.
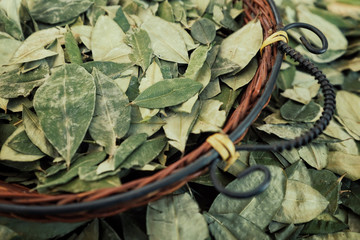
(227, 97)
(168, 93)
(243, 77)
(149, 126)
(224, 66)
(167, 42)
(72, 49)
(22, 144)
(121, 20)
(263, 158)
(96, 10)
(153, 75)
(175, 217)
(346, 103)
(91, 231)
(107, 232)
(299, 172)
(337, 236)
(284, 131)
(211, 118)
(203, 30)
(304, 88)
(7, 234)
(301, 204)
(14, 84)
(35, 133)
(142, 53)
(7, 50)
(290, 232)
(64, 177)
(132, 226)
(78, 186)
(286, 78)
(315, 154)
(8, 153)
(226, 226)
(112, 114)
(342, 163)
(297, 112)
(33, 47)
(145, 153)
(107, 42)
(5, 131)
(9, 25)
(165, 11)
(65, 105)
(197, 60)
(232, 47)
(110, 69)
(122, 152)
(56, 11)
(40, 231)
(178, 127)
(260, 209)
(323, 224)
(329, 185)
(352, 199)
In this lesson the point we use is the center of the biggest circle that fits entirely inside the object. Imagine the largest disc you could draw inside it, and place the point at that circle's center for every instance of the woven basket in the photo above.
(21, 197)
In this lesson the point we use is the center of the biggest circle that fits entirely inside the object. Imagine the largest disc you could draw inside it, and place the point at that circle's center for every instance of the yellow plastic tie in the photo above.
(275, 37)
(225, 147)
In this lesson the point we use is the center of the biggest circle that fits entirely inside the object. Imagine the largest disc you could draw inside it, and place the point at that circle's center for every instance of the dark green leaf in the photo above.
(122, 152)
(7, 234)
(132, 226)
(337, 236)
(35, 133)
(38, 231)
(302, 203)
(165, 11)
(56, 11)
(15, 84)
(65, 106)
(111, 119)
(110, 69)
(299, 172)
(145, 153)
(66, 176)
(260, 209)
(142, 53)
(167, 93)
(78, 186)
(323, 224)
(232, 226)
(121, 20)
(9, 25)
(286, 78)
(8, 153)
(352, 199)
(22, 144)
(175, 217)
(72, 49)
(204, 31)
(298, 112)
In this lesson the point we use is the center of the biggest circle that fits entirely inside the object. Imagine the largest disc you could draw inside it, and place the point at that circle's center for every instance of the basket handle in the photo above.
(311, 134)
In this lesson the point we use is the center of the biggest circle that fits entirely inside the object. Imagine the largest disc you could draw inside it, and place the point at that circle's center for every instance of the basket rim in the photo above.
(179, 174)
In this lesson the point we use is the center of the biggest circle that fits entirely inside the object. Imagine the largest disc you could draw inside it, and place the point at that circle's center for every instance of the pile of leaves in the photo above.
(93, 92)
(315, 190)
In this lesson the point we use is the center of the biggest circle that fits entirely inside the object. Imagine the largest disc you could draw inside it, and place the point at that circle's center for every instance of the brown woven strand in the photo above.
(16, 194)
